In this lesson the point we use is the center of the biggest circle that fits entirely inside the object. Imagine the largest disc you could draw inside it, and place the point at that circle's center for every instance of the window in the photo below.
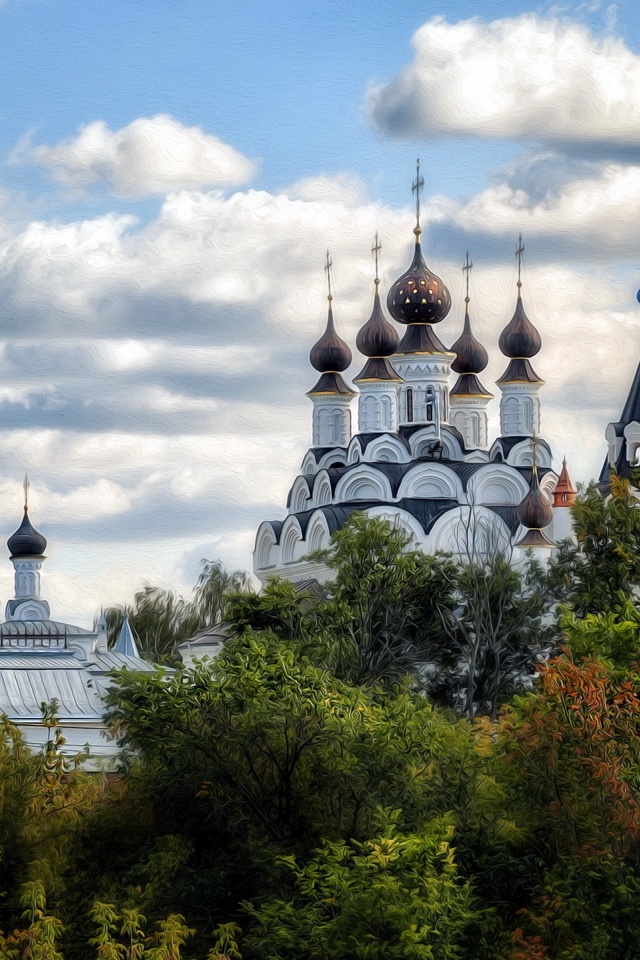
(409, 405)
(430, 402)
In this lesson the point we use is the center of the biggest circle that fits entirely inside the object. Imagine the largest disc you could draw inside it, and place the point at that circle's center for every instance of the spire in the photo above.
(565, 493)
(520, 340)
(471, 356)
(330, 355)
(416, 188)
(535, 511)
(419, 296)
(377, 339)
(126, 643)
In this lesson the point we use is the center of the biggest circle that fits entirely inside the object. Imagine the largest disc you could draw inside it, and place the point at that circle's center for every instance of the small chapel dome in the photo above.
(535, 511)
(471, 356)
(26, 541)
(330, 354)
(520, 339)
(377, 338)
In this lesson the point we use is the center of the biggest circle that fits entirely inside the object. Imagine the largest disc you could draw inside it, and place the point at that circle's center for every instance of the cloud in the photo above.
(526, 77)
(151, 155)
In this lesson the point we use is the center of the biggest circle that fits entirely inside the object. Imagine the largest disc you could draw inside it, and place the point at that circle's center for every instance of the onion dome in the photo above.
(520, 339)
(330, 353)
(471, 356)
(26, 541)
(377, 339)
(565, 493)
(535, 512)
(418, 296)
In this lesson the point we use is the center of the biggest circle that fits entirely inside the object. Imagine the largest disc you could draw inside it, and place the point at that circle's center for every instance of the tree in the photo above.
(161, 619)
(394, 896)
(600, 568)
(384, 609)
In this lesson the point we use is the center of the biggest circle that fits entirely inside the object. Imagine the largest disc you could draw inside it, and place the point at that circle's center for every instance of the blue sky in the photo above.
(171, 173)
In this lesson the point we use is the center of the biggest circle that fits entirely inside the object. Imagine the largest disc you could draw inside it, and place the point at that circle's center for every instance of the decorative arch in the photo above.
(387, 449)
(332, 458)
(431, 480)
(322, 492)
(299, 496)
(548, 484)
(511, 417)
(401, 519)
(309, 464)
(289, 539)
(363, 483)
(521, 454)
(470, 533)
(354, 452)
(317, 533)
(422, 439)
(497, 484)
(266, 545)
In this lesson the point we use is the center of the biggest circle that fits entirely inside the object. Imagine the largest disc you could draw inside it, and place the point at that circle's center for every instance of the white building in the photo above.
(44, 660)
(422, 457)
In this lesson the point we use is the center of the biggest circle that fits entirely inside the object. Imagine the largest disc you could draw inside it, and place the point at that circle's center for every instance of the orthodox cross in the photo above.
(375, 250)
(535, 443)
(416, 188)
(466, 269)
(25, 487)
(327, 266)
(519, 252)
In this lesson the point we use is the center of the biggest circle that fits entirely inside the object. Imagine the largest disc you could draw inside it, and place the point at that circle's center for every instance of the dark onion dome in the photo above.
(519, 339)
(471, 356)
(26, 541)
(519, 371)
(377, 338)
(418, 296)
(535, 512)
(468, 385)
(330, 354)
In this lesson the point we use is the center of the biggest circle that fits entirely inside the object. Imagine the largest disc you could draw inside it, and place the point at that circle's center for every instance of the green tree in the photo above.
(394, 896)
(600, 568)
(161, 619)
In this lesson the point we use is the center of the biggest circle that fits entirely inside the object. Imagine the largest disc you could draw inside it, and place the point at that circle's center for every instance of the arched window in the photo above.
(430, 405)
(511, 417)
(409, 405)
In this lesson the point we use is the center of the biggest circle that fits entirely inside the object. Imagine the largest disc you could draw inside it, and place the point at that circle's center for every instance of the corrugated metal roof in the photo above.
(23, 691)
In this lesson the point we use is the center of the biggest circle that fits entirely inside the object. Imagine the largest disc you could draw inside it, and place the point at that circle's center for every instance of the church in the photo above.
(422, 457)
(45, 661)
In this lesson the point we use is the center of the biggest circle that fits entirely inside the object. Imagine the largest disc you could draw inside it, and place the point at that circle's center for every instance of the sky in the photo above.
(171, 174)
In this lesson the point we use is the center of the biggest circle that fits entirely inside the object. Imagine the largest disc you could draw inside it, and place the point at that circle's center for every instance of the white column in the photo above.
(331, 420)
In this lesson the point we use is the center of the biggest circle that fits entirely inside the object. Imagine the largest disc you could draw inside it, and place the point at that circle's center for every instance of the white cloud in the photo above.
(151, 155)
(523, 77)
(598, 211)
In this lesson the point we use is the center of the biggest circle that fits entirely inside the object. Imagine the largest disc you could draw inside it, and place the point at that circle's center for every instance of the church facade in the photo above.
(47, 662)
(421, 456)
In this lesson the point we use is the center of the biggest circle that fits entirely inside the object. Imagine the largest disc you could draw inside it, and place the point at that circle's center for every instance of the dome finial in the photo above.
(416, 188)
(519, 252)
(328, 263)
(375, 250)
(466, 269)
(25, 487)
